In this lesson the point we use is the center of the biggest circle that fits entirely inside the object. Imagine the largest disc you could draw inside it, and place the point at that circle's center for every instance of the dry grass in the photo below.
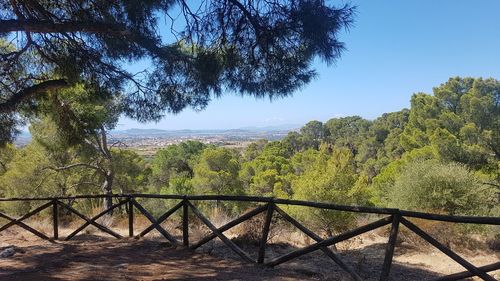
(42, 224)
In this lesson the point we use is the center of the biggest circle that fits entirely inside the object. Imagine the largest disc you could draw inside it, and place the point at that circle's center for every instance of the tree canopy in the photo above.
(196, 50)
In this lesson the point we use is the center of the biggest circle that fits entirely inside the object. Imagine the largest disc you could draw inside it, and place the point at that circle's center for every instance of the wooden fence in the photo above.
(270, 206)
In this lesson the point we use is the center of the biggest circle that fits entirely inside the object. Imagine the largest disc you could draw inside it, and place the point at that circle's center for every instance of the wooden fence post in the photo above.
(55, 219)
(389, 251)
(265, 232)
(185, 223)
(130, 218)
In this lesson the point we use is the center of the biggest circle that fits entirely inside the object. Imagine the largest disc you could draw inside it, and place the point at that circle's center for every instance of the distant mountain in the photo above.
(137, 131)
(160, 132)
(284, 127)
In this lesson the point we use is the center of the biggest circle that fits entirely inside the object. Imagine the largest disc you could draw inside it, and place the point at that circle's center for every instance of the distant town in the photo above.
(147, 141)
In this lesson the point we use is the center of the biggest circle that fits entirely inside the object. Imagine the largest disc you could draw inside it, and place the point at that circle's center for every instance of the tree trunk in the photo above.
(107, 188)
(107, 185)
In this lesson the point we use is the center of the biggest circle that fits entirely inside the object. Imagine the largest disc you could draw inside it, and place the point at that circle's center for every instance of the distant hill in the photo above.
(285, 127)
(187, 132)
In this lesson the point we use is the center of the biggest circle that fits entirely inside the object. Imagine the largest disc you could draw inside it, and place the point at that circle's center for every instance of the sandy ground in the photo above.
(94, 257)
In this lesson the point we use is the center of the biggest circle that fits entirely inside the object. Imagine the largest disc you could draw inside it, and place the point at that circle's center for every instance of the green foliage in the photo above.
(175, 161)
(312, 134)
(79, 112)
(445, 188)
(217, 172)
(27, 176)
(6, 155)
(254, 149)
(347, 132)
(385, 181)
(461, 121)
(131, 172)
(331, 178)
(303, 160)
(269, 173)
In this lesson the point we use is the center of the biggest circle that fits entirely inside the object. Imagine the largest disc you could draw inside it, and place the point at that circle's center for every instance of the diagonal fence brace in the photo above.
(335, 257)
(467, 274)
(26, 216)
(25, 226)
(160, 220)
(230, 225)
(330, 241)
(157, 226)
(467, 265)
(91, 221)
(219, 234)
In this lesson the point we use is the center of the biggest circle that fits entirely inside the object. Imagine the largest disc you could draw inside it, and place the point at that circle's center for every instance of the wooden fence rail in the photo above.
(269, 206)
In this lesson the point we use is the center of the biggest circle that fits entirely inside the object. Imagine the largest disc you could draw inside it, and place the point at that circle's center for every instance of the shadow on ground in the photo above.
(91, 257)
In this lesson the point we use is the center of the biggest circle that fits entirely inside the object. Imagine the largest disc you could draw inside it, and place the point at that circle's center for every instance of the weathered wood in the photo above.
(331, 206)
(470, 267)
(449, 218)
(389, 251)
(259, 199)
(467, 274)
(25, 226)
(161, 219)
(185, 223)
(89, 196)
(55, 219)
(89, 221)
(221, 236)
(317, 238)
(230, 225)
(265, 233)
(157, 226)
(330, 241)
(26, 216)
(157, 196)
(130, 208)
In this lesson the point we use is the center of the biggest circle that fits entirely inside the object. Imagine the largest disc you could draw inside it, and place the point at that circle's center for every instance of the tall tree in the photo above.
(313, 133)
(259, 48)
(217, 172)
(461, 121)
(82, 115)
(175, 161)
(347, 132)
(269, 173)
(330, 177)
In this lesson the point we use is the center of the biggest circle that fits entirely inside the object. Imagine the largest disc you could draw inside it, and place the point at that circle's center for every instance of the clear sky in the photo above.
(396, 48)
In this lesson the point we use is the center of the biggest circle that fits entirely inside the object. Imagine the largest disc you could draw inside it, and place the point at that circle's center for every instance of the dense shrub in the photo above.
(447, 188)
(331, 178)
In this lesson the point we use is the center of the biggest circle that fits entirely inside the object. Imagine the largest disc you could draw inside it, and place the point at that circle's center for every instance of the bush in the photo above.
(330, 178)
(445, 188)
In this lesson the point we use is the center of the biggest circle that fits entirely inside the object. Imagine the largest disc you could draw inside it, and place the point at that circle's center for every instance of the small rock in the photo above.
(7, 252)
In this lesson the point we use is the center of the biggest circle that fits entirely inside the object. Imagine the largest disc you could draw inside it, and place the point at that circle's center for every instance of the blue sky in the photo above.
(395, 49)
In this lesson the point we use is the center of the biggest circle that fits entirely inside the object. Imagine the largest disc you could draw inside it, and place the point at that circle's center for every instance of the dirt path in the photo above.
(92, 257)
